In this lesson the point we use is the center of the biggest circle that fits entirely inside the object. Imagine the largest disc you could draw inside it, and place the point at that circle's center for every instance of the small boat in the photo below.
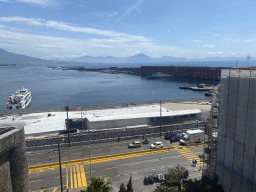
(21, 99)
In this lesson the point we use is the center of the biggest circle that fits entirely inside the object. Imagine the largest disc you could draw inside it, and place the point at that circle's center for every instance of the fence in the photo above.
(109, 135)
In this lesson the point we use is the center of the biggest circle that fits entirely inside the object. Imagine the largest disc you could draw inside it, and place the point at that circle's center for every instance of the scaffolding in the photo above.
(210, 139)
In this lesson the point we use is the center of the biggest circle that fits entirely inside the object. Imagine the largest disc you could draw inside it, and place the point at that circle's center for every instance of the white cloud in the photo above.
(51, 47)
(35, 2)
(208, 46)
(130, 9)
(2, 26)
(233, 53)
(216, 35)
(28, 21)
(249, 41)
(102, 14)
(73, 28)
(213, 53)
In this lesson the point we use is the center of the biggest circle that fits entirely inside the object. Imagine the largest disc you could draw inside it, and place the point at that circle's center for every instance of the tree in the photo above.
(122, 188)
(97, 184)
(129, 186)
(176, 175)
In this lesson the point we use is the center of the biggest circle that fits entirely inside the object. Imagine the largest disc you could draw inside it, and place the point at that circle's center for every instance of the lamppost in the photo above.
(60, 167)
(160, 118)
(67, 109)
(89, 152)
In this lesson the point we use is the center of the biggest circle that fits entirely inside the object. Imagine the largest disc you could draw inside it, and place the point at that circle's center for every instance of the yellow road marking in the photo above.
(71, 178)
(55, 189)
(78, 177)
(153, 169)
(67, 177)
(126, 174)
(75, 181)
(83, 176)
(35, 181)
(97, 150)
(75, 153)
(110, 168)
(54, 156)
(135, 172)
(117, 176)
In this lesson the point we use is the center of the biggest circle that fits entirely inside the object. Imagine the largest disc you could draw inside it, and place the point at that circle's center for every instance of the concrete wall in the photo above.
(13, 162)
(236, 167)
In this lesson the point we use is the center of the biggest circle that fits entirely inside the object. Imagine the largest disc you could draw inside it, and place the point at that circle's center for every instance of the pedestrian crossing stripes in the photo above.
(75, 177)
(190, 156)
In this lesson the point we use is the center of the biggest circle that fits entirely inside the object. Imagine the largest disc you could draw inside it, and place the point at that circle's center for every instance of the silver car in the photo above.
(134, 144)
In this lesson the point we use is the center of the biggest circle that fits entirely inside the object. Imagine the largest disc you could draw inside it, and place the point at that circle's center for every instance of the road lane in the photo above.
(117, 171)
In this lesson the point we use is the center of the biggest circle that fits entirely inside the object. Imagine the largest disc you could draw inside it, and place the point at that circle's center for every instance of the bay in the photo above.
(70, 87)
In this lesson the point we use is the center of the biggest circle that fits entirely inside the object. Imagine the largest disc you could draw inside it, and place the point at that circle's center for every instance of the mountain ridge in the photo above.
(140, 58)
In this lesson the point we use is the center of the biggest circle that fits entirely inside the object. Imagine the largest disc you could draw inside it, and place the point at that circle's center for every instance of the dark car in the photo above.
(175, 138)
(151, 179)
(169, 135)
(145, 181)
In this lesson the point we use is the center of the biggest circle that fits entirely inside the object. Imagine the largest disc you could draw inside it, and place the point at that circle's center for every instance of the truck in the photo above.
(192, 136)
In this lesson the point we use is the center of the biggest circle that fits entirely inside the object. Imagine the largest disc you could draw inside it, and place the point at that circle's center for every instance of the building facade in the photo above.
(236, 159)
(13, 162)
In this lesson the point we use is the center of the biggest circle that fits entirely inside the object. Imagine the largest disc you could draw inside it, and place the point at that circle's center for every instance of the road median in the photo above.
(99, 158)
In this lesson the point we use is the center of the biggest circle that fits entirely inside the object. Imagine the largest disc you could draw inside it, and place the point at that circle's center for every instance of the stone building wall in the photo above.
(13, 162)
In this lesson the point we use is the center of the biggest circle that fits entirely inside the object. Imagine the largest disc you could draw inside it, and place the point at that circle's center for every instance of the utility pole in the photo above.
(160, 118)
(90, 152)
(67, 109)
(60, 168)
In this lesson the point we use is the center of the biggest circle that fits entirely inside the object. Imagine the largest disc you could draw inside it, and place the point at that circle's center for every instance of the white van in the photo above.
(192, 136)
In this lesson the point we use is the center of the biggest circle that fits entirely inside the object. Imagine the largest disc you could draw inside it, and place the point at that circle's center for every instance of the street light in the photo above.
(60, 167)
(67, 109)
(160, 118)
(89, 152)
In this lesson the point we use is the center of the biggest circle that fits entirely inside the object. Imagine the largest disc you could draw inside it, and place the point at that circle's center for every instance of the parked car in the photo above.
(156, 145)
(169, 135)
(151, 179)
(145, 181)
(134, 144)
(175, 138)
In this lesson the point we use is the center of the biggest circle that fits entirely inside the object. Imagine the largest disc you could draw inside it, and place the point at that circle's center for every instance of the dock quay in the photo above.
(197, 88)
(28, 110)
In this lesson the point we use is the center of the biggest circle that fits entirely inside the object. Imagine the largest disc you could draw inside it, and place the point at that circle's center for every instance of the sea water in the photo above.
(71, 87)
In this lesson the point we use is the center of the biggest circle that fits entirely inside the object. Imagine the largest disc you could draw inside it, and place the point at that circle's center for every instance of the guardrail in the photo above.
(99, 158)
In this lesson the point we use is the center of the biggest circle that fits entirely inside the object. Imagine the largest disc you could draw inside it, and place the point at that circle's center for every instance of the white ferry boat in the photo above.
(20, 99)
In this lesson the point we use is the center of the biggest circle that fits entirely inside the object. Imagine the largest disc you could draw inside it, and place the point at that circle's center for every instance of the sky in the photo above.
(59, 29)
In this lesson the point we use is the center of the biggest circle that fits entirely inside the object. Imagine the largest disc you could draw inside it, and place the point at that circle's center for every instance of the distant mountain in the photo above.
(12, 58)
(139, 59)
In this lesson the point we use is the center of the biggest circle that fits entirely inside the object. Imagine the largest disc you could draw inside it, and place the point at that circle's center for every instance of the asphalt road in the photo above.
(116, 171)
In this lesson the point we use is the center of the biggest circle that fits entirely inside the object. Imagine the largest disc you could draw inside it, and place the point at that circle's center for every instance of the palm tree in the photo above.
(176, 175)
(97, 184)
